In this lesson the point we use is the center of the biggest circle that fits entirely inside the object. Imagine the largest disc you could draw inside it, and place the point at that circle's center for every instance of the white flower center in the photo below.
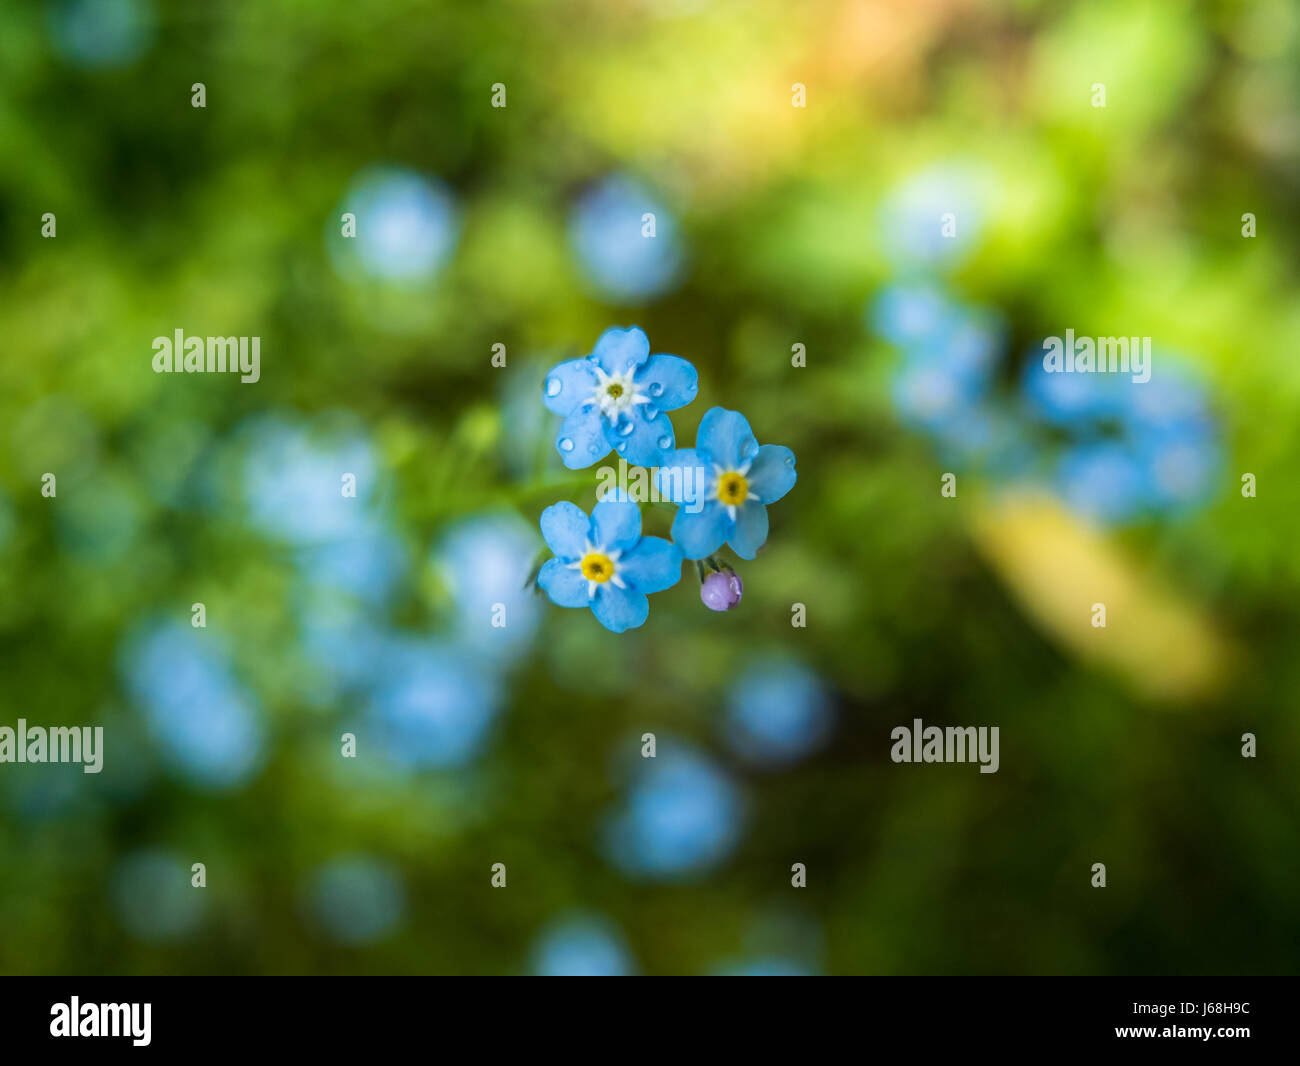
(615, 393)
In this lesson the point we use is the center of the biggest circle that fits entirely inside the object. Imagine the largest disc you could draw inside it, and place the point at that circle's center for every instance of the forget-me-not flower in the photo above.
(724, 484)
(617, 398)
(604, 563)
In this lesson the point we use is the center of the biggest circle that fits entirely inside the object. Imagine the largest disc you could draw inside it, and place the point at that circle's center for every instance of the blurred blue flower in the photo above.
(1069, 399)
(101, 520)
(357, 900)
(604, 563)
(1137, 446)
(432, 705)
(101, 33)
(912, 221)
(739, 478)
(153, 897)
(909, 314)
(341, 641)
(407, 224)
(293, 481)
(579, 945)
(607, 231)
(617, 397)
(1103, 480)
(37, 792)
(950, 352)
(681, 817)
(368, 562)
(777, 713)
(204, 723)
(6, 519)
(486, 560)
(1113, 448)
(1181, 462)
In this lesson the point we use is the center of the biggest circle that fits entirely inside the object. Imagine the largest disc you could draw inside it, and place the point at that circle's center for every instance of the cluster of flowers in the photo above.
(1112, 449)
(617, 398)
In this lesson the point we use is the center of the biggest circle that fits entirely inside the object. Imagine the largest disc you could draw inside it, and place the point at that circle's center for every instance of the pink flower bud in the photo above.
(721, 591)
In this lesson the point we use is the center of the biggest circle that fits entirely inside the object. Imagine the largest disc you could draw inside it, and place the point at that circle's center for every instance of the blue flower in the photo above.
(619, 260)
(616, 398)
(407, 226)
(431, 704)
(151, 893)
(1069, 400)
(778, 713)
(357, 900)
(724, 485)
(580, 945)
(1103, 480)
(604, 563)
(203, 721)
(681, 817)
(102, 34)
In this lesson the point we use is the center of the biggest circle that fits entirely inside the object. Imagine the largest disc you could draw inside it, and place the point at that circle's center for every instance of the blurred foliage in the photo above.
(176, 489)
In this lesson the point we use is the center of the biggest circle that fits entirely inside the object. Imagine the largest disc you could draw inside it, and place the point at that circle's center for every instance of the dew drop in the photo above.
(651, 412)
(625, 428)
(656, 389)
(665, 442)
(566, 445)
(594, 449)
(554, 386)
(621, 447)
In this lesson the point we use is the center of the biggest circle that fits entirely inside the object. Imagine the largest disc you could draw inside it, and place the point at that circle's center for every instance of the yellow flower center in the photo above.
(597, 567)
(615, 390)
(733, 489)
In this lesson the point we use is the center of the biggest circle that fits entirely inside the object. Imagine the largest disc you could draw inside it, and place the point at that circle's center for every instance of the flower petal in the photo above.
(619, 609)
(615, 525)
(701, 534)
(619, 350)
(642, 439)
(564, 528)
(582, 440)
(565, 585)
(682, 476)
(750, 530)
(725, 438)
(773, 473)
(569, 385)
(654, 565)
(669, 380)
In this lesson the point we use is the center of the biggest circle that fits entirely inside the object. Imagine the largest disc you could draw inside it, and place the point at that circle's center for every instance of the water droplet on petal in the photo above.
(626, 427)
(656, 389)
(665, 442)
(789, 460)
(566, 445)
(554, 386)
(621, 447)
(651, 412)
(594, 449)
